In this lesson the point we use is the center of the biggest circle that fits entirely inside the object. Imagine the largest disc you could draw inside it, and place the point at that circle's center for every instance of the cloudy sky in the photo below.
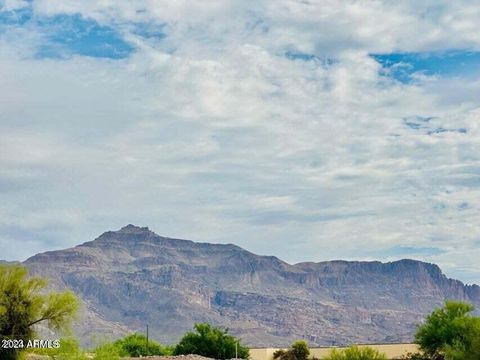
(310, 130)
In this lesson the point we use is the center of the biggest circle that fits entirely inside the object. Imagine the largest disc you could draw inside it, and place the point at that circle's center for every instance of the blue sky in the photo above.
(447, 63)
(307, 130)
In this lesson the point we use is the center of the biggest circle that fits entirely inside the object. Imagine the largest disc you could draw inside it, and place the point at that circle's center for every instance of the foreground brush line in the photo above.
(300, 351)
(205, 341)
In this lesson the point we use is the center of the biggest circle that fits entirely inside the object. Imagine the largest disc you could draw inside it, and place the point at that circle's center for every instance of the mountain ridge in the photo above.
(132, 276)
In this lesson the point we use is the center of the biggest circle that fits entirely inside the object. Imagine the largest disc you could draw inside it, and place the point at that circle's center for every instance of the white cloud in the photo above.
(213, 134)
(10, 5)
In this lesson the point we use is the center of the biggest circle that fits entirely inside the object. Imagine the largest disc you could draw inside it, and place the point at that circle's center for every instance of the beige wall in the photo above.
(393, 351)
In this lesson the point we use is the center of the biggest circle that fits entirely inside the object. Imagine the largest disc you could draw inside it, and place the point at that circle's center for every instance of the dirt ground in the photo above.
(178, 357)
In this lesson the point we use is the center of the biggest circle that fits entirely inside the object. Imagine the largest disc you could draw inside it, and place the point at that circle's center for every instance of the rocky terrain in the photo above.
(129, 278)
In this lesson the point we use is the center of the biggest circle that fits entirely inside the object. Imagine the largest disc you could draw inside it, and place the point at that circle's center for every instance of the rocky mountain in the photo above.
(129, 278)
(5, 262)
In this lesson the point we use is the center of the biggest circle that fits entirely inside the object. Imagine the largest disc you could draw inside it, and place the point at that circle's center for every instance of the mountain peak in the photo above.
(133, 229)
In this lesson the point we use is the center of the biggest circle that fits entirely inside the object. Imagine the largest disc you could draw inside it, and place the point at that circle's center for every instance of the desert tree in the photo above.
(450, 333)
(210, 341)
(24, 303)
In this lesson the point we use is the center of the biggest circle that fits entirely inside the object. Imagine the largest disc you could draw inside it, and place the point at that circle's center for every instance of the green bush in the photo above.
(135, 345)
(450, 333)
(107, 351)
(211, 342)
(356, 353)
(298, 351)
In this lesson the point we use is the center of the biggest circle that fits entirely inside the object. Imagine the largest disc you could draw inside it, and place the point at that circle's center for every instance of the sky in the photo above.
(308, 130)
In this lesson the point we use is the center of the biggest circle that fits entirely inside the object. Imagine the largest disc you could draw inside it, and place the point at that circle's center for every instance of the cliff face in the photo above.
(133, 277)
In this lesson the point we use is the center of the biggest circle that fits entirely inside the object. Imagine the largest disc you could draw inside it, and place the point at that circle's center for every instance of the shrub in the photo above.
(211, 342)
(135, 345)
(450, 333)
(107, 351)
(356, 353)
(298, 351)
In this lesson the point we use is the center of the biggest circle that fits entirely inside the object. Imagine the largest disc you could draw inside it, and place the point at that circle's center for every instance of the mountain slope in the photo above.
(133, 277)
